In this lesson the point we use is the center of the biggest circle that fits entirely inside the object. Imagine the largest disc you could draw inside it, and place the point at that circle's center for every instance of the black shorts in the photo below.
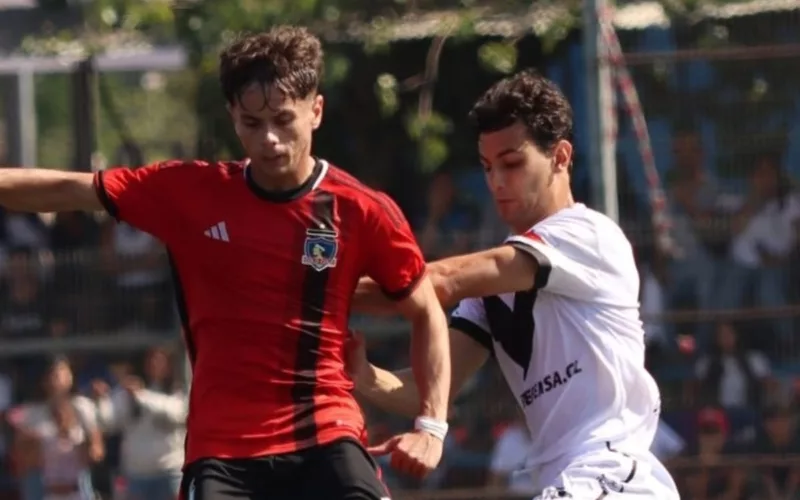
(342, 470)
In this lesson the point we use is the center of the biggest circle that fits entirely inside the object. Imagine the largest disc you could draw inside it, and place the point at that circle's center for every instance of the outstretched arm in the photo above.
(502, 269)
(44, 190)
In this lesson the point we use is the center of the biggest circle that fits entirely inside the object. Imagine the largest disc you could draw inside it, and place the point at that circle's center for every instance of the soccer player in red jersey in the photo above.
(267, 253)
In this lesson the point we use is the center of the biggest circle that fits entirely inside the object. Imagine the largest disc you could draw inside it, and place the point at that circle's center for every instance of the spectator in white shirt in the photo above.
(765, 239)
(151, 414)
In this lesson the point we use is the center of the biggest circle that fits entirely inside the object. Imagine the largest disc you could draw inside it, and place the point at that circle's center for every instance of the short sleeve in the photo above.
(470, 318)
(568, 275)
(394, 259)
(144, 197)
(574, 267)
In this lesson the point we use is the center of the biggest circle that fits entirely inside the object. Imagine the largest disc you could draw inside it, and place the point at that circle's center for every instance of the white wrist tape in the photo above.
(434, 427)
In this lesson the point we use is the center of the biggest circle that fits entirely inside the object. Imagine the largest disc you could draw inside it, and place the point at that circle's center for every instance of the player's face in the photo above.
(275, 131)
(523, 180)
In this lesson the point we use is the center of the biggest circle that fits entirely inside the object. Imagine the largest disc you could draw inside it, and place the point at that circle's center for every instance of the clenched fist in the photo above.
(414, 453)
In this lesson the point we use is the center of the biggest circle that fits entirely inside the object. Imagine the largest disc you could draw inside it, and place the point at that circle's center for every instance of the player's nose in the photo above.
(271, 139)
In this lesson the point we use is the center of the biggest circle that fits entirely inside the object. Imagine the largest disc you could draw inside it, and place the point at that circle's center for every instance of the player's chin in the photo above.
(507, 210)
(274, 164)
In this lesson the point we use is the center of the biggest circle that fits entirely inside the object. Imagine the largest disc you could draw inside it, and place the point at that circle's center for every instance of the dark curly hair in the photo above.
(531, 99)
(286, 57)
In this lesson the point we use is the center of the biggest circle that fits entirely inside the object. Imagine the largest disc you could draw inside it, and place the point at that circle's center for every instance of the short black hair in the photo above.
(531, 99)
(288, 57)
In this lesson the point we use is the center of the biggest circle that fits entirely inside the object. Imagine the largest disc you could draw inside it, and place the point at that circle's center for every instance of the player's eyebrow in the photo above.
(248, 116)
(504, 152)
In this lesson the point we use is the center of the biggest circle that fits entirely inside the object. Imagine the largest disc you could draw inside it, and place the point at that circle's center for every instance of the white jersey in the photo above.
(572, 348)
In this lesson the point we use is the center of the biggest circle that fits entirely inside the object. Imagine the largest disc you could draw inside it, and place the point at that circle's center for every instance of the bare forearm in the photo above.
(44, 190)
(430, 361)
(447, 275)
(491, 272)
(393, 392)
(499, 270)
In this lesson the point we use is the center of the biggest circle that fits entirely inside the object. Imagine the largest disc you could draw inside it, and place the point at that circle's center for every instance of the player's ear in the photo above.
(317, 105)
(562, 154)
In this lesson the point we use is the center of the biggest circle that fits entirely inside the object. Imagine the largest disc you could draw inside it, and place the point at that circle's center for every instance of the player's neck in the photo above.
(292, 178)
(558, 201)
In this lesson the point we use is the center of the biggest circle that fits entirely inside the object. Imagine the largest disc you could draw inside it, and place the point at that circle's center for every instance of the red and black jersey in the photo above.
(265, 287)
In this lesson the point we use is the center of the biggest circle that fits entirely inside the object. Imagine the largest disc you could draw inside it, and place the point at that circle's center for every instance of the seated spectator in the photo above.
(710, 478)
(695, 205)
(778, 438)
(137, 266)
(766, 237)
(26, 309)
(75, 238)
(451, 220)
(73, 231)
(732, 376)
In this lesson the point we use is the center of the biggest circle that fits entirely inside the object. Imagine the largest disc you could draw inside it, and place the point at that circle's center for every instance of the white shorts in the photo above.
(605, 473)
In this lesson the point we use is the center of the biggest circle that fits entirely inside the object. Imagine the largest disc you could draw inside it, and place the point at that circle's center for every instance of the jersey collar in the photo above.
(320, 169)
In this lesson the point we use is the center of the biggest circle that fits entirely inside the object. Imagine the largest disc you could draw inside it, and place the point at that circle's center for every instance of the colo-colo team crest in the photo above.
(320, 248)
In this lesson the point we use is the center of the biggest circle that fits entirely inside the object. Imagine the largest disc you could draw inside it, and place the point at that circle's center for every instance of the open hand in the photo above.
(132, 384)
(414, 453)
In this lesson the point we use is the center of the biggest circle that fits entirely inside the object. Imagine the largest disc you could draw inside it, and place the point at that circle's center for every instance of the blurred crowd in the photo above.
(721, 333)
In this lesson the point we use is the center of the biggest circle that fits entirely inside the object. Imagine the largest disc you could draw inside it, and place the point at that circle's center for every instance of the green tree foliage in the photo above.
(202, 26)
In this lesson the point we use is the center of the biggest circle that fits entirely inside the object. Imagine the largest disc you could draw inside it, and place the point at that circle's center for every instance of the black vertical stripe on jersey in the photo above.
(513, 328)
(315, 284)
(183, 310)
(183, 314)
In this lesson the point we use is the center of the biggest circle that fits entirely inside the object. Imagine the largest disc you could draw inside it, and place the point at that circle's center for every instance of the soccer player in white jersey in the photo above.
(557, 305)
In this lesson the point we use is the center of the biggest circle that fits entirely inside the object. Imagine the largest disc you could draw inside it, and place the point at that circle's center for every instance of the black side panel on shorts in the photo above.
(315, 290)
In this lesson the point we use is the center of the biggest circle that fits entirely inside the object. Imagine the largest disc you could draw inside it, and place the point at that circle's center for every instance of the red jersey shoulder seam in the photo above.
(383, 202)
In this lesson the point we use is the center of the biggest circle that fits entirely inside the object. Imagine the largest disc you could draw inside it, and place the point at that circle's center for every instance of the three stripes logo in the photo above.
(218, 231)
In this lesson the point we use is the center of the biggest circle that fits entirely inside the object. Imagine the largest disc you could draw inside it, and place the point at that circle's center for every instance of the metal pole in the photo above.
(84, 115)
(26, 91)
(21, 119)
(600, 96)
